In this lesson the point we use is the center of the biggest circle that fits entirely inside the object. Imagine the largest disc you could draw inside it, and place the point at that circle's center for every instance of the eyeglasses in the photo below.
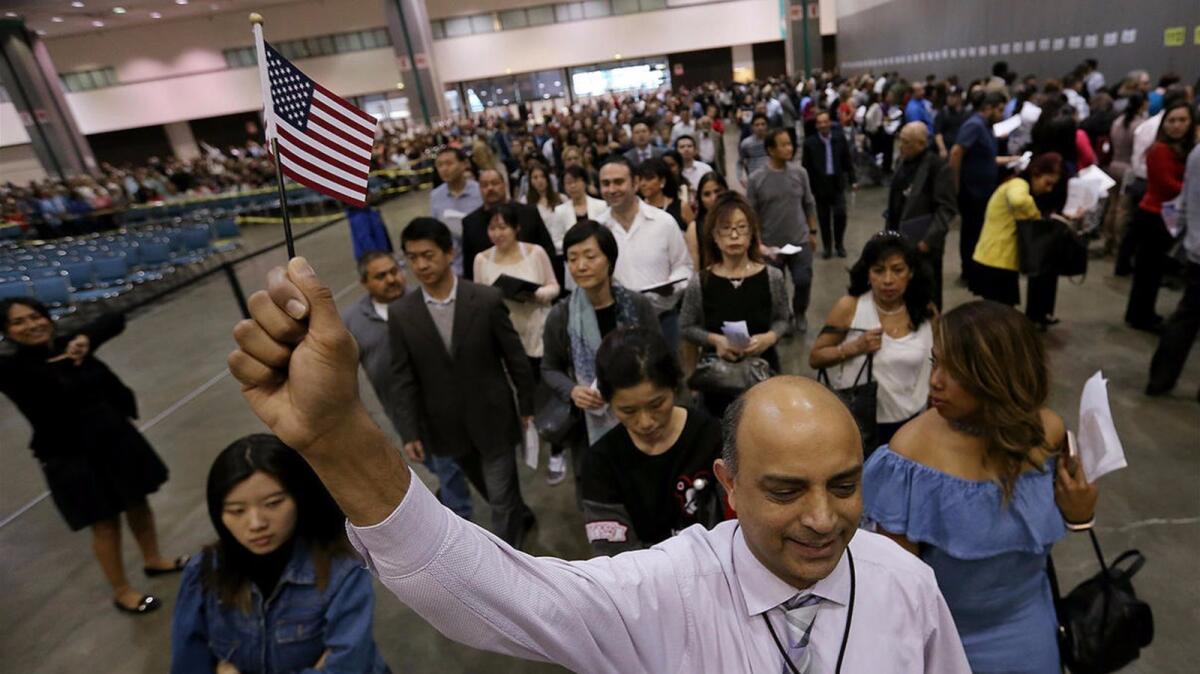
(726, 230)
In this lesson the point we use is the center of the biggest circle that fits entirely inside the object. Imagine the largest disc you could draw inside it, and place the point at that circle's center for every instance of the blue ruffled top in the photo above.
(989, 556)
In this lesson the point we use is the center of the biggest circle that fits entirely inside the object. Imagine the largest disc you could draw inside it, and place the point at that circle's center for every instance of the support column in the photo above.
(412, 40)
(31, 80)
(803, 40)
(183, 141)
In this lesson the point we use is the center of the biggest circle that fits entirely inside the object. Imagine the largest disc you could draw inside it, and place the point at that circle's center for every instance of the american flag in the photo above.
(323, 142)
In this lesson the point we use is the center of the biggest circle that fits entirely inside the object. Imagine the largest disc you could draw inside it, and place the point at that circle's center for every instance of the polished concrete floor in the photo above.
(56, 615)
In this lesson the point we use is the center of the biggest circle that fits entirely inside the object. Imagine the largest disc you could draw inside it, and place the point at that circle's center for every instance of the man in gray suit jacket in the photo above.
(452, 343)
(642, 149)
(366, 320)
(923, 197)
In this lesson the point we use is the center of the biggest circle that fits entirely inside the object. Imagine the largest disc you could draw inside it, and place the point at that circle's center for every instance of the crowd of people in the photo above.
(591, 281)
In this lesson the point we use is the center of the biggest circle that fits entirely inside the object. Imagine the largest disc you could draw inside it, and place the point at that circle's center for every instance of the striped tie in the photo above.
(799, 612)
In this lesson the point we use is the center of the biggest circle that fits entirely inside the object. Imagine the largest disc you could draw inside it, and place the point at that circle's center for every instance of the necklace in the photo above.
(887, 312)
(737, 282)
(973, 430)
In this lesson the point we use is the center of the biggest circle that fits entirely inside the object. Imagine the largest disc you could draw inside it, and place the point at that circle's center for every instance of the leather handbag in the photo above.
(552, 416)
(860, 398)
(1050, 246)
(716, 375)
(1102, 624)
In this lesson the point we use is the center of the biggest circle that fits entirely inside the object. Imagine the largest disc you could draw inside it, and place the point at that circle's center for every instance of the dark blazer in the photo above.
(475, 239)
(932, 193)
(814, 162)
(453, 402)
(632, 154)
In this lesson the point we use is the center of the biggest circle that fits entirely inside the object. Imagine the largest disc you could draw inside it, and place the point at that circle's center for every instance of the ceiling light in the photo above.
(11, 15)
(118, 10)
(98, 23)
(41, 33)
(400, 86)
(77, 4)
(617, 56)
(181, 2)
(56, 19)
(155, 15)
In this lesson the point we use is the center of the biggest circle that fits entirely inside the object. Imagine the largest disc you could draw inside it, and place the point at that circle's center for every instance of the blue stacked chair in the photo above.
(110, 271)
(79, 272)
(226, 233)
(15, 288)
(54, 292)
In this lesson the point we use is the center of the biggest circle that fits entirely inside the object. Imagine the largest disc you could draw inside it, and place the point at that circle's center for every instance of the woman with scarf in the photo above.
(575, 328)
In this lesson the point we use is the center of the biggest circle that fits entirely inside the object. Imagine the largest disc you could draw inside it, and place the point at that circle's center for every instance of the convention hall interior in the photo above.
(564, 249)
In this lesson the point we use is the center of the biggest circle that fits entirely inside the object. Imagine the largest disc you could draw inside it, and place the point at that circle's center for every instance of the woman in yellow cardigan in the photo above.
(1013, 200)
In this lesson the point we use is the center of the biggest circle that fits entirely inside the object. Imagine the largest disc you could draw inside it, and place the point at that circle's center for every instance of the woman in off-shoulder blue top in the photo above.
(980, 506)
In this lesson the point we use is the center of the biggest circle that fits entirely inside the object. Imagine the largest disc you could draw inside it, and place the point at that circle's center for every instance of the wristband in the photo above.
(1082, 526)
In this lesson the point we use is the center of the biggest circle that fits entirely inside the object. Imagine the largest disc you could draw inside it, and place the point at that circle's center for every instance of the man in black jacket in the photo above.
(830, 170)
(474, 235)
(922, 200)
(452, 342)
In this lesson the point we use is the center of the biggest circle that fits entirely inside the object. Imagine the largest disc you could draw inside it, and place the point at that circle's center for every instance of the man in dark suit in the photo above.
(830, 170)
(922, 197)
(451, 344)
(642, 149)
(475, 238)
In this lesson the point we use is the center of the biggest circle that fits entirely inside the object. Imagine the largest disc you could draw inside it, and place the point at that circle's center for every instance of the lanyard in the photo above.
(845, 635)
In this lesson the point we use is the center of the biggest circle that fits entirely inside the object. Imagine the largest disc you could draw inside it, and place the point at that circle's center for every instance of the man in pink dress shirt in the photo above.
(792, 586)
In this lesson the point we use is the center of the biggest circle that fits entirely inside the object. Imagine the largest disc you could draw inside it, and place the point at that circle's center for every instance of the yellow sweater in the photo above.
(997, 245)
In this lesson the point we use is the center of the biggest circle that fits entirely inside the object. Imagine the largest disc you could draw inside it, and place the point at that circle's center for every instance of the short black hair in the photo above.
(587, 229)
(458, 152)
(642, 120)
(629, 356)
(507, 213)
(427, 229)
(577, 172)
(367, 258)
(1000, 68)
(656, 167)
(615, 158)
(992, 99)
(757, 116)
(8, 303)
(686, 136)
(770, 141)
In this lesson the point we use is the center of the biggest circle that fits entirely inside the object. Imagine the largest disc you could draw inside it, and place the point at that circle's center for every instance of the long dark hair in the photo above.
(1184, 145)
(532, 196)
(8, 303)
(711, 176)
(656, 167)
(1133, 105)
(319, 521)
(918, 293)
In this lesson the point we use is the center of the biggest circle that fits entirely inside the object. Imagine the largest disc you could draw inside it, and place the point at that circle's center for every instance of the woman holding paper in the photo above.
(738, 306)
(980, 487)
(884, 317)
(1155, 223)
(524, 261)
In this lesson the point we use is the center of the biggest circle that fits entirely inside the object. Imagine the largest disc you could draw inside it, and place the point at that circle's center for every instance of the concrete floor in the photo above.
(56, 614)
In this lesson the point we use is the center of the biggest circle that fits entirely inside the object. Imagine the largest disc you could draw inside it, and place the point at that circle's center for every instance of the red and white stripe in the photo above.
(333, 156)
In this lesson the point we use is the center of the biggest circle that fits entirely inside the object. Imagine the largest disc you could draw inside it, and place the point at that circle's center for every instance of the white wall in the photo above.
(12, 131)
(19, 164)
(634, 35)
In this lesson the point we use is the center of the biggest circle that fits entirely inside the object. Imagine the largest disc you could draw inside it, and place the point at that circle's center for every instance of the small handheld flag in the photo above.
(317, 138)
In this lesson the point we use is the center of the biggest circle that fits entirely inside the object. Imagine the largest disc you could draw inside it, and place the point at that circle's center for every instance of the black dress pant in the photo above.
(1041, 292)
(997, 285)
(971, 210)
(1178, 335)
(1150, 257)
(831, 214)
(1128, 245)
(933, 266)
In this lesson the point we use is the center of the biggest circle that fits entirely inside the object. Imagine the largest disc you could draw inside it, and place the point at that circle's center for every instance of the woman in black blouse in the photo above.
(650, 477)
(96, 463)
(736, 287)
(659, 189)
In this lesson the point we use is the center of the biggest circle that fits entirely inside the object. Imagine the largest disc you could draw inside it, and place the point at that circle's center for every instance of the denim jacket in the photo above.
(286, 632)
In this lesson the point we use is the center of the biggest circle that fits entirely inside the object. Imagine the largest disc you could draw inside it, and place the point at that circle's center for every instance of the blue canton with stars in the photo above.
(291, 90)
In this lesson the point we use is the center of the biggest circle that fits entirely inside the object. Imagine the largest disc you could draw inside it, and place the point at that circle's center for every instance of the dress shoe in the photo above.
(146, 604)
(180, 563)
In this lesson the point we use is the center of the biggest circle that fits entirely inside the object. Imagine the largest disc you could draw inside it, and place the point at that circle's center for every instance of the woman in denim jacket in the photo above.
(281, 590)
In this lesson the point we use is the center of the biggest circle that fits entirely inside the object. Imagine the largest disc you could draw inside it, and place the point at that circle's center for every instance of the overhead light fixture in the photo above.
(41, 33)
(617, 56)
(181, 2)
(77, 4)
(11, 15)
(155, 15)
(508, 71)
(118, 10)
(56, 19)
(98, 23)
(400, 86)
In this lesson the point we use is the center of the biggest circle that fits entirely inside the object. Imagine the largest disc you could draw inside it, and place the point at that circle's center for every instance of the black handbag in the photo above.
(1050, 246)
(1102, 625)
(716, 375)
(553, 417)
(860, 399)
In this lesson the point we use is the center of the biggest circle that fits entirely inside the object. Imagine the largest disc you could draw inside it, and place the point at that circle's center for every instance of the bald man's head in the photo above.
(792, 469)
(914, 138)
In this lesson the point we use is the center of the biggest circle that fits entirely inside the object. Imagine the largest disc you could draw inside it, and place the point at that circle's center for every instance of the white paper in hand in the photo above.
(1003, 129)
(790, 249)
(1100, 449)
(1081, 196)
(737, 332)
(453, 219)
(530, 447)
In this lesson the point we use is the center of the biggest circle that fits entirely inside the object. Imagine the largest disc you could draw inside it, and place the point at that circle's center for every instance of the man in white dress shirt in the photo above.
(653, 256)
(782, 587)
(693, 169)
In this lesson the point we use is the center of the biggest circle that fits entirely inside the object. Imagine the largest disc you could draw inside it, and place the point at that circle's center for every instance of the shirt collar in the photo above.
(449, 298)
(763, 590)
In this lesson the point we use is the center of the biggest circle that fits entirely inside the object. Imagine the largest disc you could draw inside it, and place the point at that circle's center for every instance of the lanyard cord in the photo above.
(845, 634)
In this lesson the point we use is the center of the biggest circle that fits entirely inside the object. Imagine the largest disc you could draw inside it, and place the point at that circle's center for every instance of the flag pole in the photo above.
(256, 20)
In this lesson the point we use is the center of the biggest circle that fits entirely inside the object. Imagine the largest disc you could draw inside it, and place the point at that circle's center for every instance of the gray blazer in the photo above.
(932, 192)
(459, 401)
(558, 368)
(691, 316)
(632, 154)
(374, 352)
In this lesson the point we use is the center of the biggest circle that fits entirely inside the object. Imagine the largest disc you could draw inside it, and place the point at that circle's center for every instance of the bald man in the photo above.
(791, 586)
(922, 200)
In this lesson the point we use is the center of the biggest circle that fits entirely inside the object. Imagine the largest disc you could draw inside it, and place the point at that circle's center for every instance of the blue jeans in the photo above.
(453, 491)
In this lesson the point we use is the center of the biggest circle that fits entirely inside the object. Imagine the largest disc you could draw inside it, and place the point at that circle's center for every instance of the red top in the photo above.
(1083, 150)
(1164, 176)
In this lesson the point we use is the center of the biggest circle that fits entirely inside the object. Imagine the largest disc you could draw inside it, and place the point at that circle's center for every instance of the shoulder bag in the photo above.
(1050, 246)
(860, 398)
(716, 375)
(1102, 625)
(552, 416)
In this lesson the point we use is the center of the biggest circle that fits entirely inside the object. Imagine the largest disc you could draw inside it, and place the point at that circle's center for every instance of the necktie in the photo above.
(828, 155)
(799, 612)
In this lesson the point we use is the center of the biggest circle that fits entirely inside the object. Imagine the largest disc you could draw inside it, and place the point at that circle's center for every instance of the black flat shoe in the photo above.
(146, 604)
(180, 562)
(841, 252)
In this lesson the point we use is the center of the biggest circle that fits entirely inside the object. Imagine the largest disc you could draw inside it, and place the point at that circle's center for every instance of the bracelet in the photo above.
(1082, 526)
